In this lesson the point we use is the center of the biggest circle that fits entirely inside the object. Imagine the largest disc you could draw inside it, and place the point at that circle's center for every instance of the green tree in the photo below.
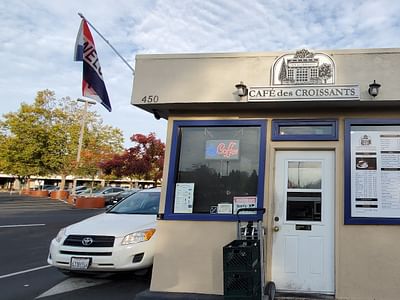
(42, 138)
(101, 143)
(25, 139)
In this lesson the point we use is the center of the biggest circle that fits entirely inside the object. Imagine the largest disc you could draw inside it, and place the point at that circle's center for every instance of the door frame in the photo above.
(337, 188)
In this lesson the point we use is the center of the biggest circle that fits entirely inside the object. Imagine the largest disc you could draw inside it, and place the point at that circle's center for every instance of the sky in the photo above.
(37, 40)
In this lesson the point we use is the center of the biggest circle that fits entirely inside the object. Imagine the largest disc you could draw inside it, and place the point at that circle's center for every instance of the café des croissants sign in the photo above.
(304, 76)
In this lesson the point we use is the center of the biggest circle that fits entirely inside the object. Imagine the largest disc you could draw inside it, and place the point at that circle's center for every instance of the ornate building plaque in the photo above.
(304, 76)
(303, 67)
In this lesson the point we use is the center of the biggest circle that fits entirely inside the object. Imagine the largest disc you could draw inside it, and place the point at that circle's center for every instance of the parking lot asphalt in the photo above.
(27, 226)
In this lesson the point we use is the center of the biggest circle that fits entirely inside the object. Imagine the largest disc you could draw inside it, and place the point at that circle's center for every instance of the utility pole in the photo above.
(81, 132)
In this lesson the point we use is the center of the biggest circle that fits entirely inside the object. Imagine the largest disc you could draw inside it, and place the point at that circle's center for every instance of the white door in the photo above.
(303, 225)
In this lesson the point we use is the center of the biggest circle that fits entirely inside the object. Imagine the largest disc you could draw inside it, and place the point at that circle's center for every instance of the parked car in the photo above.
(120, 239)
(80, 188)
(49, 187)
(106, 193)
(120, 196)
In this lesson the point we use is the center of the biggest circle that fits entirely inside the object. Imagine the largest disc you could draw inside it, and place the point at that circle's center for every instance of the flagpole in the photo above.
(108, 43)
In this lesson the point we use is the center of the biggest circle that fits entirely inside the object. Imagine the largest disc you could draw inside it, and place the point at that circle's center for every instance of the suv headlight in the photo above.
(60, 235)
(138, 236)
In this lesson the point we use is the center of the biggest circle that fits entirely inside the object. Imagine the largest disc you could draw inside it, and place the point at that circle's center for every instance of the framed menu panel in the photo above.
(372, 172)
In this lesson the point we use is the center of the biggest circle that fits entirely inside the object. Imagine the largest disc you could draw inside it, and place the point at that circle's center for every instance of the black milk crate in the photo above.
(241, 255)
(242, 285)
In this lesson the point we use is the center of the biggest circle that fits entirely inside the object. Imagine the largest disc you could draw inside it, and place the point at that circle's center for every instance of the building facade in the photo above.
(312, 136)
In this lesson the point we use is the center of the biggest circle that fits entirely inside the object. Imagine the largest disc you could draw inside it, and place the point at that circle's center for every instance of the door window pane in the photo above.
(304, 175)
(302, 206)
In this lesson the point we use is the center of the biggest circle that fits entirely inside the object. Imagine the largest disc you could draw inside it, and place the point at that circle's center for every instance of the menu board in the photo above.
(375, 174)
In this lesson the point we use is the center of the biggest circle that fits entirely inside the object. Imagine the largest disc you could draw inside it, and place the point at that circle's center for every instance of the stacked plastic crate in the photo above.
(242, 270)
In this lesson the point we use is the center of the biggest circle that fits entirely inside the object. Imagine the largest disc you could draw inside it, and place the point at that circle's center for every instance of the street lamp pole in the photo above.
(81, 132)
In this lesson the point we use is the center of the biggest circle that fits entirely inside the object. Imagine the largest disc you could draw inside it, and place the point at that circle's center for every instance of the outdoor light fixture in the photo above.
(241, 89)
(374, 89)
(156, 115)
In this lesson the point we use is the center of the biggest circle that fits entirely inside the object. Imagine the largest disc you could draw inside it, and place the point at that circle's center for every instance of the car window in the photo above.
(139, 203)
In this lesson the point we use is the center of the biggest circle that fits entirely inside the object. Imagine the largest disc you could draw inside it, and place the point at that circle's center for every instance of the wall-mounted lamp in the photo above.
(156, 115)
(241, 89)
(374, 89)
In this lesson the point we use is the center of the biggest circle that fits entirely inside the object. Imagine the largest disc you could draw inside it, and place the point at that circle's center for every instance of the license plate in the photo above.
(80, 263)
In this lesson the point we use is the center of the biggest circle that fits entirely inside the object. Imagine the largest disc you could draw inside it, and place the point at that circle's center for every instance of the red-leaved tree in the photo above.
(144, 160)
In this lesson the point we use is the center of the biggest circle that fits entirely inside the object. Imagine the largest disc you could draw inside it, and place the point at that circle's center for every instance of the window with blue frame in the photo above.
(372, 171)
(216, 167)
(304, 130)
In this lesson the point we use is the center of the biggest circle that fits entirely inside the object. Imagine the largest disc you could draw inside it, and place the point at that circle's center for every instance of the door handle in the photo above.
(275, 229)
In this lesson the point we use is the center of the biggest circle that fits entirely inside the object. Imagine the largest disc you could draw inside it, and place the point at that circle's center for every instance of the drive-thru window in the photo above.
(311, 136)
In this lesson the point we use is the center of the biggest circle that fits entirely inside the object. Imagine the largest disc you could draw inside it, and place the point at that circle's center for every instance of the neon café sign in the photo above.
(222, 149)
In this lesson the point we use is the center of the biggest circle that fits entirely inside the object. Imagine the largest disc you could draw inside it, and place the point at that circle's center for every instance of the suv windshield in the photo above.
(139, 203)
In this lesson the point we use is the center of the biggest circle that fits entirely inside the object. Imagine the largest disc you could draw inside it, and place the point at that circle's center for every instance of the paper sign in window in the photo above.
(224, 208)
(244, 202)
(184, 194)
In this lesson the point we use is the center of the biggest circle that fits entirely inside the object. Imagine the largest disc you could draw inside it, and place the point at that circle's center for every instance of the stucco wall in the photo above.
(200, 78)
(189, 256)
(189, 253)
(369, 262)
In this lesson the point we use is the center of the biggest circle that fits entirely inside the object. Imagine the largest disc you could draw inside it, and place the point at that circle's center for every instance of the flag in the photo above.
(78, 55)
(92, 80)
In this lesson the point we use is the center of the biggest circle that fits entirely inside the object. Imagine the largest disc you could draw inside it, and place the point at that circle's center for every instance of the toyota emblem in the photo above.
(87, 241)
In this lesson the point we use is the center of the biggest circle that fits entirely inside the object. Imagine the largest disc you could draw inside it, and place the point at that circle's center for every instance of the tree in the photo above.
(325, 71)
(151, 150)
(144, 160)
(283, 72)
(42, 138)
(100, 145)
(25, 138)
(127, 164)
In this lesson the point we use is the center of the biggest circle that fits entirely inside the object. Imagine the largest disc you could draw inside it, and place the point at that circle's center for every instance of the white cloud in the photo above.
(37, 40)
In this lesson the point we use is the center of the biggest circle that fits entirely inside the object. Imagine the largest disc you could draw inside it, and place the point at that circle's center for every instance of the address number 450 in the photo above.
(150, 99)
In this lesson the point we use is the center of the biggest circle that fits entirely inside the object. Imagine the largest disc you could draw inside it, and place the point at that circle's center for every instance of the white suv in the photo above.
(120, 239)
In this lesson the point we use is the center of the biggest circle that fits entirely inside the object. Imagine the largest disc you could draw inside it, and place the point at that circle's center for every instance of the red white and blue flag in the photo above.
(92, 81)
